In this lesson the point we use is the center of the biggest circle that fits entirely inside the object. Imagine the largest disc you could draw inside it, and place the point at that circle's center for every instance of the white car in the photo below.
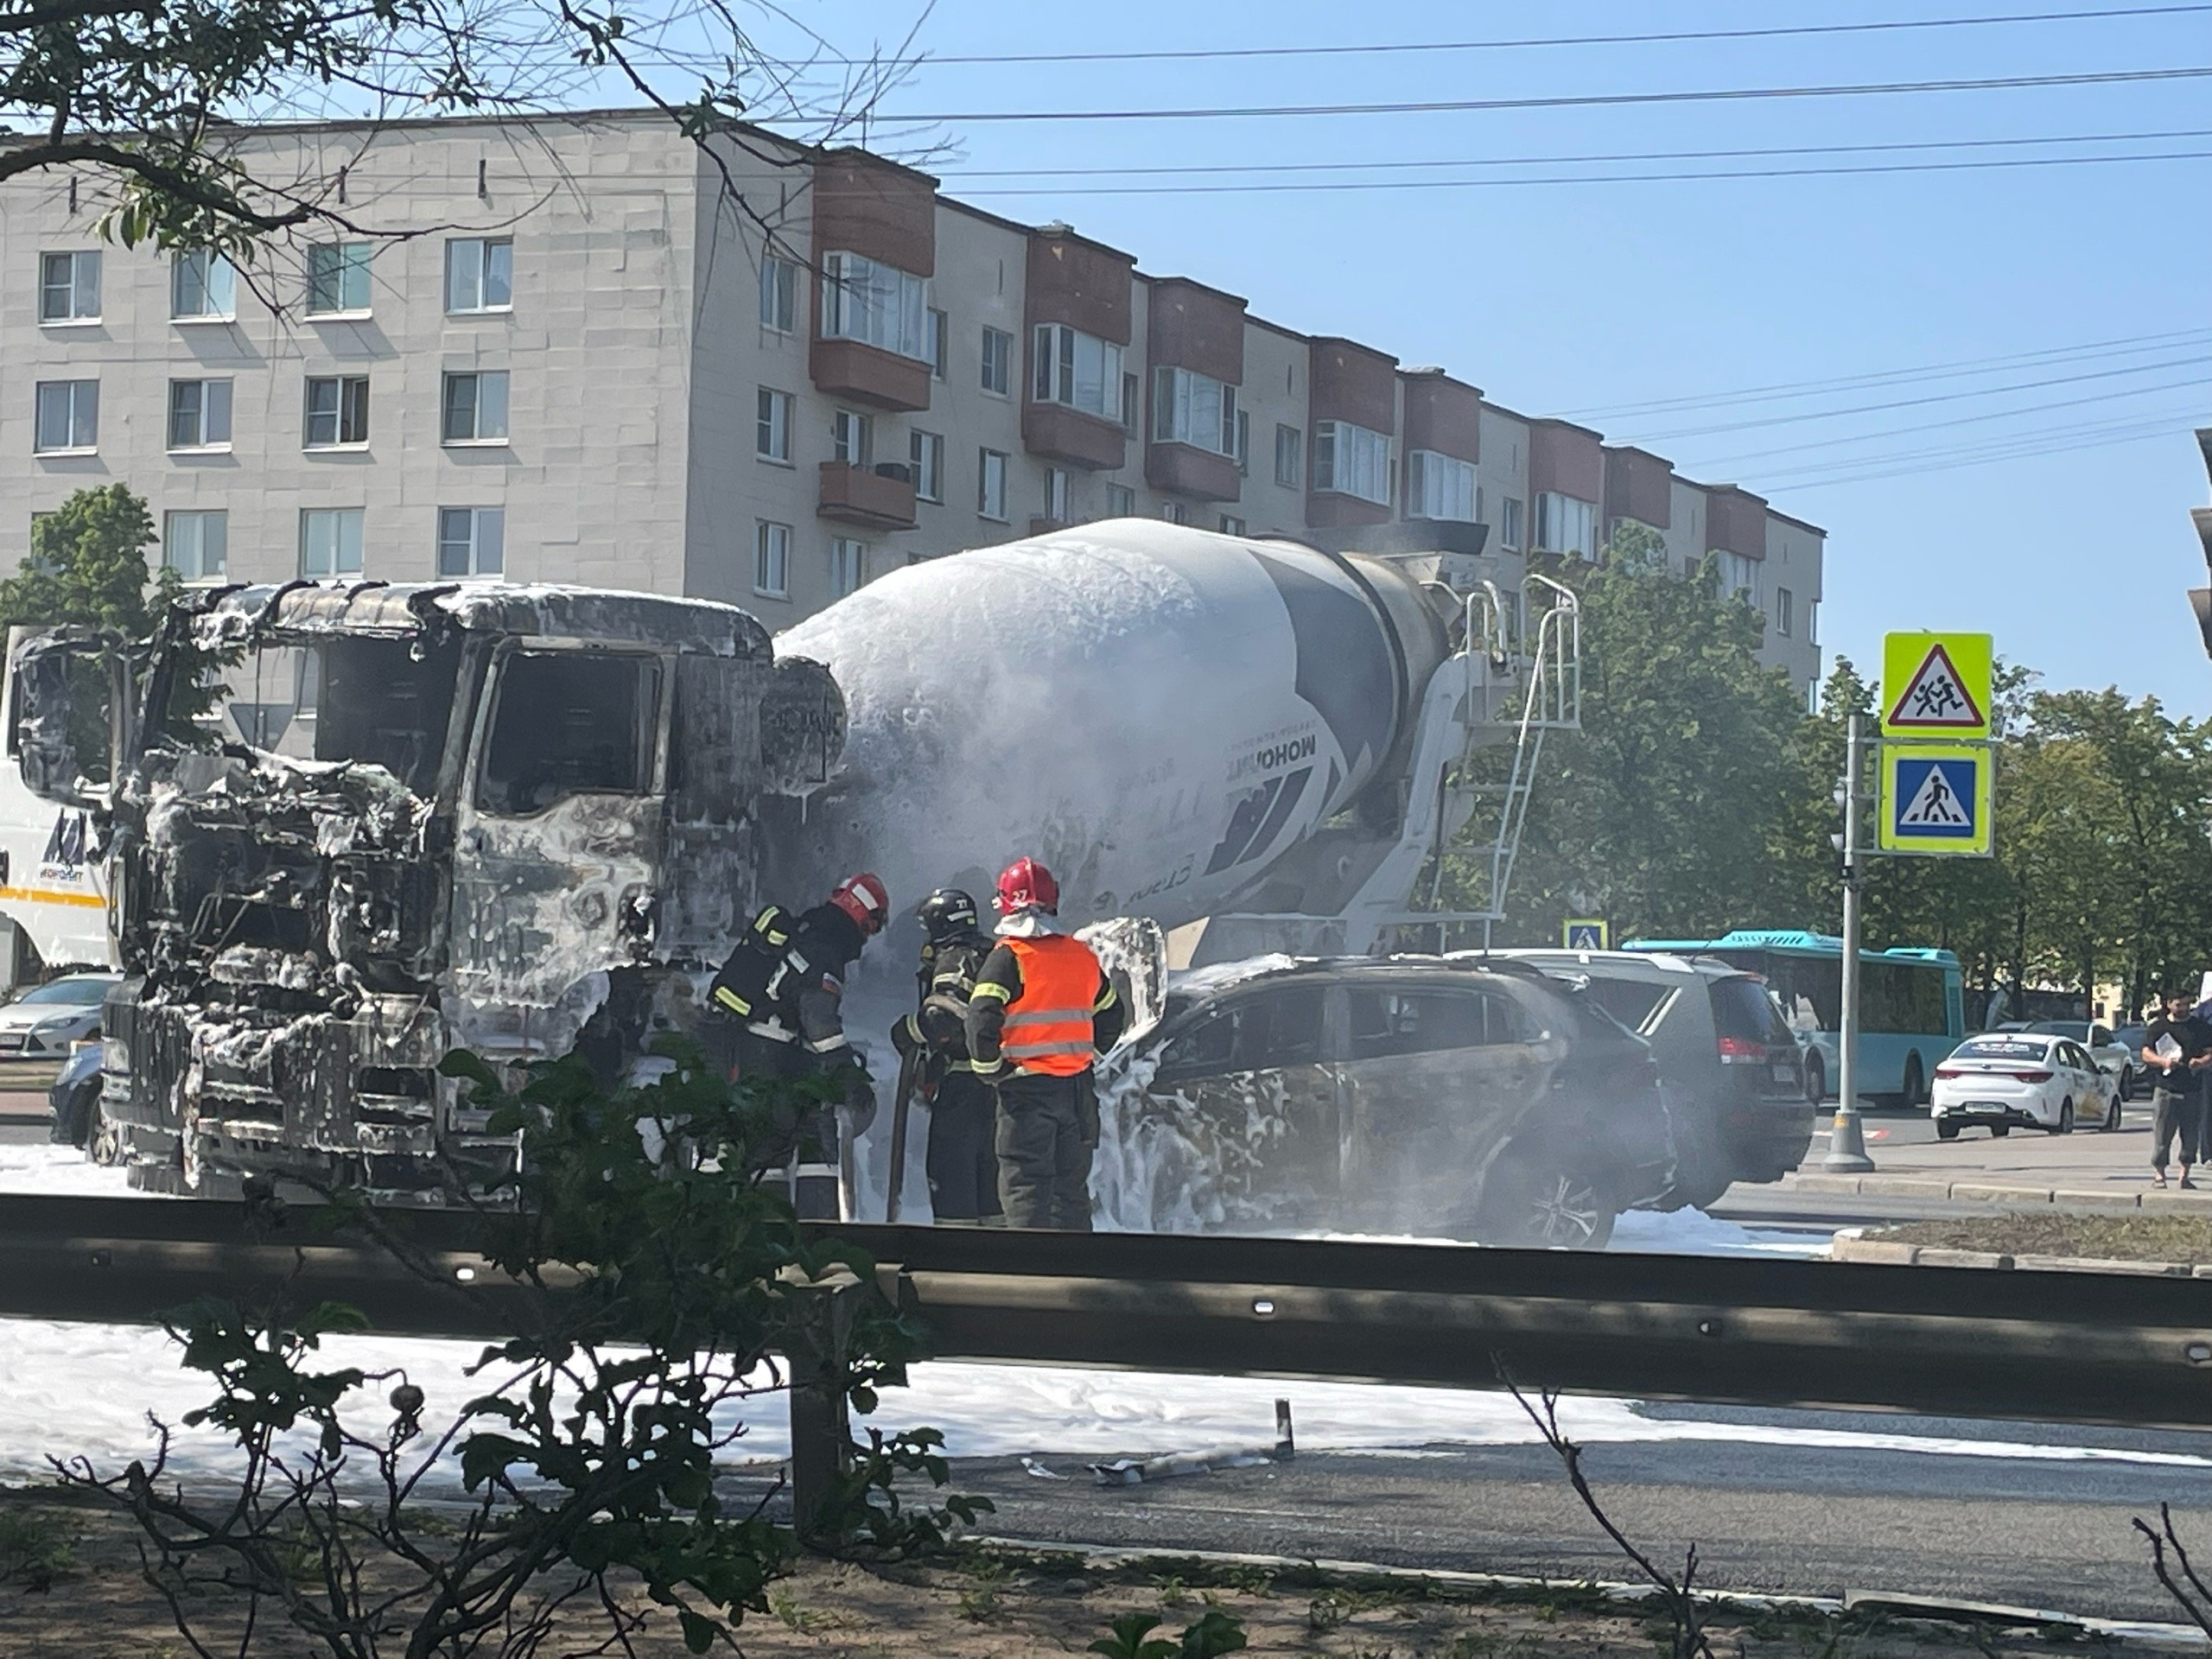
(2113, 1058)
(47, 1019)
(2028, 1078)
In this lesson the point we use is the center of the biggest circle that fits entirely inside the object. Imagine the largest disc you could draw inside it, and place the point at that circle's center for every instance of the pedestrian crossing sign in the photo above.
(1937, 686)
(1936, 800)
(1584, 933)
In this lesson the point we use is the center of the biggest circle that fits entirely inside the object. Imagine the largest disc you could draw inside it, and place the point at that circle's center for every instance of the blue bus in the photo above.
(1911, 1004)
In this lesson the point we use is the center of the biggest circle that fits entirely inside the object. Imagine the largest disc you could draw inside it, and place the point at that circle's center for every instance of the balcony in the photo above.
(1059, 433)
(869, 374)
(877, 497)
(1181, 470)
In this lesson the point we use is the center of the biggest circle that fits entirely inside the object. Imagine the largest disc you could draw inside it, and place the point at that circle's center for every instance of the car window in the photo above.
(1253, 1034)
(2099, 1037)
(2002, 1048)
(1743, 1009)
(1636, 1004)
(2077, 1029)
(82, 993)
(570, 723)
(1424, 1021)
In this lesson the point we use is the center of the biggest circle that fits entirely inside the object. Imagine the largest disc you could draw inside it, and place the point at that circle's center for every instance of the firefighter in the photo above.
(1041, 1012)
(963, 1167)
(779, 999)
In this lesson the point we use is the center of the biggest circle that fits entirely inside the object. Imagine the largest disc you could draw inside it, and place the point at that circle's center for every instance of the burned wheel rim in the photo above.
(1568, 1209)
(103, 1144)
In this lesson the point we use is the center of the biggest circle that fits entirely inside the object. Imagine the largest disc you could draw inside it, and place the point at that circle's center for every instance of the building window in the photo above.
(779, 295)
(771, 434)
(1231, 525)
(1739, 576)
(480, 273)
(1509, 523)
(998, 361)
(1439, 486)
(847, 567)
(203, 287)
(1785, 612)
(1056, 495)
(1813, 624)
(852, 437)
(927, 450)
(338, 411)
(472, 541)
(940, 336)
(330, 542)
(1290, 457)
(990, 484)
(1078, 370)
(69, 416)
(338, 278)
(69, 287)
(200, 414)
(874, 303)
(1566, 526)
(1243, 450)
(1174, 512)
(196, 544)
(1351, 461)
(475, 408)
(772, 559)
(1129, 402)
(1121, 501)
(1194, 408)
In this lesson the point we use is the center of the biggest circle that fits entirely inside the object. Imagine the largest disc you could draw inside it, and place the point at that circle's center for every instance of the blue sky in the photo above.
(1589, 299)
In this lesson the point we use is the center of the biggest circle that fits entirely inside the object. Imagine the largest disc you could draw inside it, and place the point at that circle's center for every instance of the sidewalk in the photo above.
(2085, 1171)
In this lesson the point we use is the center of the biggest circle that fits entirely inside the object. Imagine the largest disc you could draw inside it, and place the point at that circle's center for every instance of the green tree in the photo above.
(88, 566)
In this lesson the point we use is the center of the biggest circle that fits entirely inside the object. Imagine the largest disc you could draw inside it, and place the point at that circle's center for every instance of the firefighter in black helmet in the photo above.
(963, 1169)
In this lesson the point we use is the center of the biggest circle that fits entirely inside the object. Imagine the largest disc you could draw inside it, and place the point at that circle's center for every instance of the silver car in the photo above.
(47, 1019)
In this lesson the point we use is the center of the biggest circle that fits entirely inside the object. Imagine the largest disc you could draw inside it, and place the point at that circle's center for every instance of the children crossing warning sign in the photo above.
(1936, 685)
(1936, 800)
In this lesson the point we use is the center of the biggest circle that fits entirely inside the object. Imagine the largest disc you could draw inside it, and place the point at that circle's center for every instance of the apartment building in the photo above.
(764, 376)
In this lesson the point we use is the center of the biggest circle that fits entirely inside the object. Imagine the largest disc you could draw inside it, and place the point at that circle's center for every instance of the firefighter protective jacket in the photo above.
(943, 984)
(1041, 1004)
(786, 980)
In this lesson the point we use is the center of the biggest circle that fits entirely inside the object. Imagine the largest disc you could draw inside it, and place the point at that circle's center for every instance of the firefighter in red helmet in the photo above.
(779, 1001)
(1041, 1013)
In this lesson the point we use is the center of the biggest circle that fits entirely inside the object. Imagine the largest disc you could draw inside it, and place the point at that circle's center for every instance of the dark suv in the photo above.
(1409, 1095)
(1729, 1065)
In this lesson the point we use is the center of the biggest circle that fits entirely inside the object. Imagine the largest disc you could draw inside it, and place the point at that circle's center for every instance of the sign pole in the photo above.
(1847, 1142)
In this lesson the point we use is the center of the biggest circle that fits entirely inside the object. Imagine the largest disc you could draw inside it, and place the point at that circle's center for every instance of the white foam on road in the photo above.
(48, 1168)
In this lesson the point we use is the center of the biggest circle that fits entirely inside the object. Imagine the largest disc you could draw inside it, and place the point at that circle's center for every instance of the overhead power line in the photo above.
(1655, 38)
(1582, 100)
(1917, 462)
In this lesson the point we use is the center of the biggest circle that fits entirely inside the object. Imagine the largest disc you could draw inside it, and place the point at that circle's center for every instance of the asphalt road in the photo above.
(2043, 1532)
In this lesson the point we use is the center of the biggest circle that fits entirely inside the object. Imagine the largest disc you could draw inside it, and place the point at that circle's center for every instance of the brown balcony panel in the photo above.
(855, 495)
(1180, 470)
(867, 374)
(1059, 433)
(1326, 510)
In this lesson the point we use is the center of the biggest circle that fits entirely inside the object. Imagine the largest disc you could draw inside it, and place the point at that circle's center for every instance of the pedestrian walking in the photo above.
(963, 1160)
(1041, 1012)
(2176, 1049)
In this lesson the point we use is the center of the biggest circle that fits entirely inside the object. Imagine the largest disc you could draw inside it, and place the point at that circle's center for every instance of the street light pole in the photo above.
(1847, 1142)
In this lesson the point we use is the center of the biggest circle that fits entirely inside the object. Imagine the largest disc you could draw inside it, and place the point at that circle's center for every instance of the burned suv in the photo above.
(352, 826)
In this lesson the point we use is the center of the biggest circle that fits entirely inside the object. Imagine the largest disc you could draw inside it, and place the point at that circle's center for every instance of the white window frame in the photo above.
(938, 332)
(1785, 608)
(779, 295)
(998, 355)
(1565, 525)
(1352, 460)
(1740, 575)
(1121, 501)
(848, 566)
(343, 529)
(1231, 525)
(74, 299)
(1194, 410)
(866, 301)
(481, 541)
(353, 296)
(348, 401)
(1174, 512)
(926, 452)
(1055, 495)
(1441, 486)
(208, 402)
(1078, 370)
(80, 402)
(471, 264)
(1290, 457)
(216, 278)
(852, 438)
(771, 426)
(1509, 523)
(182, 529)
(487, 416)
(991, 468)
(772, 559)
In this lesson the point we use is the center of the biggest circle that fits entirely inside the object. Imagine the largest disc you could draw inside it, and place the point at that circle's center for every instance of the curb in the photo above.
(1999, 1195)
(1850, 1246)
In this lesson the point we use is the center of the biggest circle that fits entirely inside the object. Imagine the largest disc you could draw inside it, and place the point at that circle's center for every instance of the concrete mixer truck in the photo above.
(348, 826)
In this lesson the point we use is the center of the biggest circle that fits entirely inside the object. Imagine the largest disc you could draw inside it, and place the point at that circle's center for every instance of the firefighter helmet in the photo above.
(1025, 883)
(862, 898)
(947, 913)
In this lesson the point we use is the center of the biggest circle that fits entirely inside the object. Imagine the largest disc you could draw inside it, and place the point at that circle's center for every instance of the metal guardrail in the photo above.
(2063, 1347)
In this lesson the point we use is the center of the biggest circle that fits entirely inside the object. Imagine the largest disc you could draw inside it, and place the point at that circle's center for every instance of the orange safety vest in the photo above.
(1048, 1026)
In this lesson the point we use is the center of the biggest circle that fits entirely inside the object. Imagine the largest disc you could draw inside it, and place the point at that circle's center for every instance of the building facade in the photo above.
(760, 375)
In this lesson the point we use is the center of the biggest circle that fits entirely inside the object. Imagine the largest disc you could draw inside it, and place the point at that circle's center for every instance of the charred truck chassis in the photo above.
(516, 820)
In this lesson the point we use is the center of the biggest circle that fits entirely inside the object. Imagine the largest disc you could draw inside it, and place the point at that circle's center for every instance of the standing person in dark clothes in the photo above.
(1042, 1011)
(2176, 1049)
(963, 1165)
(778, 1010)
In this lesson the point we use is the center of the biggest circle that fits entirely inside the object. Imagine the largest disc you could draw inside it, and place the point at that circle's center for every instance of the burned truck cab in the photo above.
(351, 827)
